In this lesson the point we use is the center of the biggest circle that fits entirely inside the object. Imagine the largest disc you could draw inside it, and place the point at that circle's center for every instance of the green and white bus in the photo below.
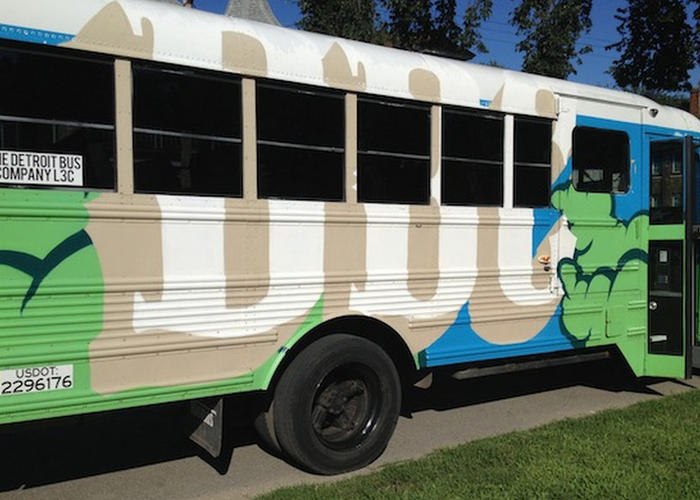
(194, 206)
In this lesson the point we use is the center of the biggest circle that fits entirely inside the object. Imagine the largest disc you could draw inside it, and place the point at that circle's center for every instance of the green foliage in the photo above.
(410, 23)
(445, 33)
(420, 25)
(550, 30)
(353, 19)
(648, 450)
(430, 25)
(656, 47)
(474, 15)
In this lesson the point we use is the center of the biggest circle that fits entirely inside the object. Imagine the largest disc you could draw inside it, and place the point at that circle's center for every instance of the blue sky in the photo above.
(500, 37)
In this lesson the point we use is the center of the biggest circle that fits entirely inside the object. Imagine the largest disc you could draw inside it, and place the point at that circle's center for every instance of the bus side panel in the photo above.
(607, 275)
(51, 292)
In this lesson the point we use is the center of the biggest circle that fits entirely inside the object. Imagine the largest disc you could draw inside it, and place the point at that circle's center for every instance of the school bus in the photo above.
(194, 206)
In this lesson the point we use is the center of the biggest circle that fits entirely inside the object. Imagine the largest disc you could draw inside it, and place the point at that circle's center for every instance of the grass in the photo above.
(648, 450)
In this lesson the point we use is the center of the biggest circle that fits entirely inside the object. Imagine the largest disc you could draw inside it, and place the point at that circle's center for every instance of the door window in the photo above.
(666, 188)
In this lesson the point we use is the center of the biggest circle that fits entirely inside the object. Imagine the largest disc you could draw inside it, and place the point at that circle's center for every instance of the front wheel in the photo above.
(337, 404)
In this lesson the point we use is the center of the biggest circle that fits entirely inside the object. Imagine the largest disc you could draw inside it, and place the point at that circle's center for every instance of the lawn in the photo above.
(648, 450)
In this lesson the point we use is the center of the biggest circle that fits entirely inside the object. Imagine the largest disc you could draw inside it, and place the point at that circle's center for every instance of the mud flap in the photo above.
(207, 418)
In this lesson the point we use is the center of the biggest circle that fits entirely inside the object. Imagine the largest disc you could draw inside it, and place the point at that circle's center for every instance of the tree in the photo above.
(354, 19)
(420, 25)
(696, 31)
(657, 46)
(431, 25)
(446, 34)
(551, 30)
(474, 15)
(410, 23)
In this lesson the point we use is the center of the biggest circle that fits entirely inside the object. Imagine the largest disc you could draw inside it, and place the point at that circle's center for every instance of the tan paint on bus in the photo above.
(494, 317)
(345, 234)
(131, 255)
(161, 358)
(243, 54)
(424, 85)
(497, 101)
(110, 31)
(546, 103)
(558, 161)
(337, 71)
(423, 252)
(345, 255)
(124, 125)
(246, 253)
(247, 234)
(351, 148)
(423, 241)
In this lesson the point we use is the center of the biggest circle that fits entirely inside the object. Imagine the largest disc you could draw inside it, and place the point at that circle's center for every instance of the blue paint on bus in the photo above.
(33, 35)
(461, 343)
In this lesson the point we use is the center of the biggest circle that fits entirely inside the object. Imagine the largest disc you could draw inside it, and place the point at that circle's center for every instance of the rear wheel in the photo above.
(336, 405)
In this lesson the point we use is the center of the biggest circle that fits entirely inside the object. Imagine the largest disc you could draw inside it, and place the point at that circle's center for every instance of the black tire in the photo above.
(264, 425)
(336, 405)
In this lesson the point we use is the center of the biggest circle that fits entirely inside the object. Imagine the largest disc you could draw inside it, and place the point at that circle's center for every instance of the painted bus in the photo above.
(194, 206)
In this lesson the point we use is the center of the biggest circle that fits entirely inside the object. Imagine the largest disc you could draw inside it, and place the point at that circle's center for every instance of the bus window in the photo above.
(301, 143)
(472, 158)
(56, 132)
(601, 160)
(393, 161)
(187, 132)
(533, 162)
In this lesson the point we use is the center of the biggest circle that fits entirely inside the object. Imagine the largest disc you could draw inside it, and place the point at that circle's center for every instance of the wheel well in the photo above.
(362, 326)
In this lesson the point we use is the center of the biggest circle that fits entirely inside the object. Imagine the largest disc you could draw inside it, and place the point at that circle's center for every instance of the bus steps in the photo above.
(518, 366)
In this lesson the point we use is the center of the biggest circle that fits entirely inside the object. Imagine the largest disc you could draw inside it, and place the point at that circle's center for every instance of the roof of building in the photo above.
(256, 10)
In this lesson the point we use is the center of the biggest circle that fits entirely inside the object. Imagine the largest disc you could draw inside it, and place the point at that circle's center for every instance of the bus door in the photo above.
(692, 154)
(672, 257)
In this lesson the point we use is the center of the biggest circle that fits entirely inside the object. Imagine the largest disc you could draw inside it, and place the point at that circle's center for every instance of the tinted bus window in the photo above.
(187, 132)
(393, 162)
(56, 131)
(601, 160)
(532, 162)
(301, 143)
(472, 158)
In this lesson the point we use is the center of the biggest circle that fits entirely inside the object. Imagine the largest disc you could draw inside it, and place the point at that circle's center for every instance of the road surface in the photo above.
(144, 454)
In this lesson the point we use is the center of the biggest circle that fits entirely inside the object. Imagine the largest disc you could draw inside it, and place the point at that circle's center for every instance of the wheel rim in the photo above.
(345, 406)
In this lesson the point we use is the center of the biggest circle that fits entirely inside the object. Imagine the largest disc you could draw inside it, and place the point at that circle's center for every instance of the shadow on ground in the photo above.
(447, 392)
(49, 452)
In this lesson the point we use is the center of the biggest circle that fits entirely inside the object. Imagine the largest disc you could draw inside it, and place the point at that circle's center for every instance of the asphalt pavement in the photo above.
(145, 454)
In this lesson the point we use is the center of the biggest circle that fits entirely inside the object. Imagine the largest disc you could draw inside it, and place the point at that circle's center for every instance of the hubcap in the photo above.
(346, 406)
